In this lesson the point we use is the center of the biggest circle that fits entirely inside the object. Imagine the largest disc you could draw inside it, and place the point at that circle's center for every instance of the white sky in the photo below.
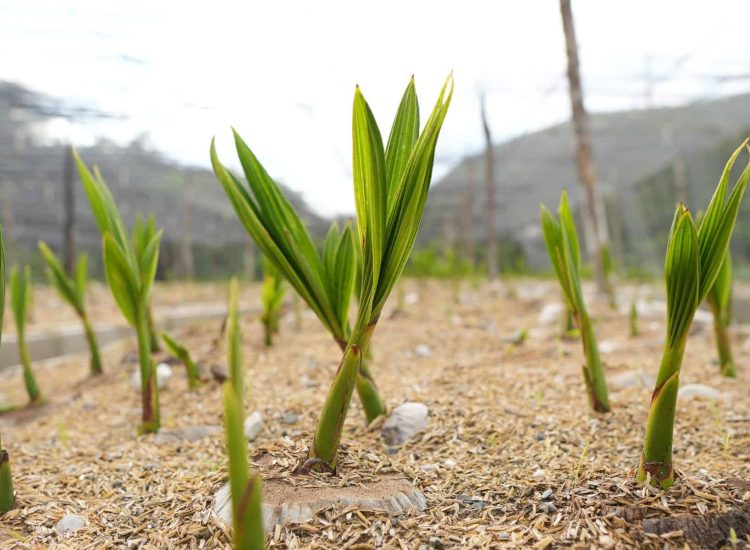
(284, 72)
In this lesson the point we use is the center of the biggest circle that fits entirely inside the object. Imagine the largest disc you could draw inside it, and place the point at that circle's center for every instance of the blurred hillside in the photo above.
(646, 160)
(186, 201)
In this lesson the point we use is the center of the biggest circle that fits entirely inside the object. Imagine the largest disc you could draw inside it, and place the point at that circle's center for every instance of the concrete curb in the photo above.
(70, 339)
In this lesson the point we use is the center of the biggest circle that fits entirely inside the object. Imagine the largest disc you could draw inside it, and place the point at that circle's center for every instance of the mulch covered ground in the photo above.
(512, 456)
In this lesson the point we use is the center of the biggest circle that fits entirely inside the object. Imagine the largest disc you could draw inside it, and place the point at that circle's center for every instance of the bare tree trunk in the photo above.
(69, 212)
(597, 237)
(188, 270)
(490, 231)
(470, 220)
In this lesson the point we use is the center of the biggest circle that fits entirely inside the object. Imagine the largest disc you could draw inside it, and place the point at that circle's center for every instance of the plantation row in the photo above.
(391, 184)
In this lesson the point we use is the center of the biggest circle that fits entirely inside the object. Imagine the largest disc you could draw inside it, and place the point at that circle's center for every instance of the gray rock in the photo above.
(404, 422)
(547, 494)
(550, 313)
(289, 418)
(163, 374)
(538, 474)
(191, 433)
(70, 523)
(548, 507)
(253, 425)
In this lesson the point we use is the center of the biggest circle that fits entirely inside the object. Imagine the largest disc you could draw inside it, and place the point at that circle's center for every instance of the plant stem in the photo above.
(7, 496)
(32, 388)
(150, 418)
(267, 334)
(656, 459)
(593, 372)
(193, 373)
(325, 445)
(723, 343)
(96, 359)
(367, 390)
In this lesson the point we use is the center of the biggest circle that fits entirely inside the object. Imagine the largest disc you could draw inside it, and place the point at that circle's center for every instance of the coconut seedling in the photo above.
(130, 268)
(390, 189)
(561, 239)
(720, 301)
(20, 302)
(7, 495)
(246, 488)
(179, 351)
(272, 297)
(694, 260)
(73, 291)
(324, 279)
(633, 319)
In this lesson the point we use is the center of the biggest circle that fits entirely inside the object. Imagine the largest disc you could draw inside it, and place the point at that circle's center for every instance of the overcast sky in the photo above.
(284, 72)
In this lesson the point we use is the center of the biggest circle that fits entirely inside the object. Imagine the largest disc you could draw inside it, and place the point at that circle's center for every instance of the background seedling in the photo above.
(561, 239)
(130, 267)
(633, 319)
(693, 261)
(73, 291)
(272, 298)
(20, 301)
(234, 342)
(183, 354)
(143, 233)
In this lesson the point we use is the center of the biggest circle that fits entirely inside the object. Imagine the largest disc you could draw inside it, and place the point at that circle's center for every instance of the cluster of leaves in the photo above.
(73, 291)
(272, 298)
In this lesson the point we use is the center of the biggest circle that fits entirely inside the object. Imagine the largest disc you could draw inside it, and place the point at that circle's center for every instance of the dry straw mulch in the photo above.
(512, 457)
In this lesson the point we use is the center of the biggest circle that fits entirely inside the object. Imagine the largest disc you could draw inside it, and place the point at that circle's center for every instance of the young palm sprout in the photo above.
(324, 281)
(272, 296)
(183, 354)
(20, 302)
(7, 496)
(390, 188)
(633, 319)
(73, 291)
(561, 239)
(693, 262)
(246, 489)
(720, 302)
(130, 268)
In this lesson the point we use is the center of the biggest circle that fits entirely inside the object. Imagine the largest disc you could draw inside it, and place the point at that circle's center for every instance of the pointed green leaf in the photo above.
(122, 280)
(404, 134)
(59, 280)
(683, 272)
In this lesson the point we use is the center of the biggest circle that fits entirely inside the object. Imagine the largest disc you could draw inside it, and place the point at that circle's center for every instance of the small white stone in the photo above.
(70, 523)
(700, 390)
(449, 463)
(253, 425)
(163, 374)
(427, 468)
(608, 346)
(411, 298)
(550, 313)
(538, 474)
(422, 350)
(404, 422)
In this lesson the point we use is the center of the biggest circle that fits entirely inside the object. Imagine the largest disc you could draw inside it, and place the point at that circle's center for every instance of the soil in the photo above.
(512, 456)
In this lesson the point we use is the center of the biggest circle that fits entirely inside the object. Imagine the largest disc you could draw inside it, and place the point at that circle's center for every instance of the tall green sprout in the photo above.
(246, 489)
(720, 302)
(390, 189)
(180, 352)
(693, 262)
(73, 291)
(272, 297)
(561, 239)
(323, 279)
(20, 302)
(7, 495)
(130, 268)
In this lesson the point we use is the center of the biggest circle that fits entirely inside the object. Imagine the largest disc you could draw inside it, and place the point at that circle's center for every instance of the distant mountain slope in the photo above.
(142, 182)
(636, 153)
